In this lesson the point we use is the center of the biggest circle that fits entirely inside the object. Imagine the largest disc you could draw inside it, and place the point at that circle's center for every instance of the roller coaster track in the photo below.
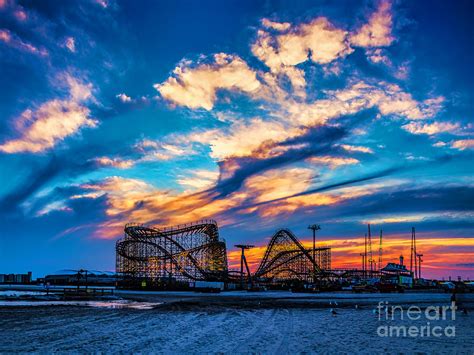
(194, 251)
(286, 257)
(188, 252)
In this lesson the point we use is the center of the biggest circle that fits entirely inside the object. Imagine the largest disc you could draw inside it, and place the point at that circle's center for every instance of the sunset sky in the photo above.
(258, 114)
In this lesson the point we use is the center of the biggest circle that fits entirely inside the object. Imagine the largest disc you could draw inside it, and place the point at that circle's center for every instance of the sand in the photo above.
(209, 327)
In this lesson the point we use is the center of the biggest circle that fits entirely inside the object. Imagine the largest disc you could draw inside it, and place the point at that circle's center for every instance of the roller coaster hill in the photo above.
(188, 255)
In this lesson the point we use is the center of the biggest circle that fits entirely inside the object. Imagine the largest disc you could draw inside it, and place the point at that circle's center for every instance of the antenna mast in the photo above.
(380, 251)
(413, 256)
(370, 251)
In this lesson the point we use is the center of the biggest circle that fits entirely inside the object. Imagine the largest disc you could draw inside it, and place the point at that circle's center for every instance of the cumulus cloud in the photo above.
(283, 45)
(261, 138)
(431, 128)
(53, 121)
(197, 86)
(318, 40)
(389, 99)
(463, 144)
(377, 56)
(124, 97)
(378, 31)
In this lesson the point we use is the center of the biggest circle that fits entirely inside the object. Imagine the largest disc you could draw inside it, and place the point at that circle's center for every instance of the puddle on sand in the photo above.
(120, 304)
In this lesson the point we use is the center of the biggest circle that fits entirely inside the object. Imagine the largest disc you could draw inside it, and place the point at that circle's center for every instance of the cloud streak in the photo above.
(41, 129)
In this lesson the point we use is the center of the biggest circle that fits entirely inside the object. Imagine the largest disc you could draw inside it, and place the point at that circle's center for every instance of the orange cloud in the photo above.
(278, 184)
(197, 87)
(333, 162)
(378, 56)
(463, 144)
(318, 37)
(390, 99)
(245, 138)
(438, 258)
(199, 179)
(279, 26)
(431, 128)
(259, 138)
(378, 31)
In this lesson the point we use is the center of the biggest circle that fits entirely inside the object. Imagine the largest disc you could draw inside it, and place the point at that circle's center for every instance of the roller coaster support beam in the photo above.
(243, 260)
(314, 228)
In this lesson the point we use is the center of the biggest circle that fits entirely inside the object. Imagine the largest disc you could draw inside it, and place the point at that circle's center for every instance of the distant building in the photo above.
(94, 277)
(15, 278)
(397, 274)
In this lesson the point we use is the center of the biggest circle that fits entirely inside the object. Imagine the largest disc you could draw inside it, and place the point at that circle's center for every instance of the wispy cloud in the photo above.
(333, 162)
(42, 128)
(432, 128)
(355, 148)
(115, 162)
(70, 44)
(16, 42)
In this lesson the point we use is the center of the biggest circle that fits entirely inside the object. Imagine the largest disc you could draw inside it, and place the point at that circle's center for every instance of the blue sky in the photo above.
(260, 115)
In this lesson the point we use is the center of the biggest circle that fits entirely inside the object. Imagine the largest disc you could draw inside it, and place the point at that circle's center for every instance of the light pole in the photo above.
(314, 228)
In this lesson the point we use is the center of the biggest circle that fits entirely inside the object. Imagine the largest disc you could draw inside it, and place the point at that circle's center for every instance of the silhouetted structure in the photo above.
(16, 278)
(380, 251)
(286, 259)
(155, 257)
(413, 254)
(76, 277)
(419, 264)
(314, 228)
(177, 256)
(243, 261)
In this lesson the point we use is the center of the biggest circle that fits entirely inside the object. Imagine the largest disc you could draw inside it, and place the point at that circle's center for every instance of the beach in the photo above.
(234, 323)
